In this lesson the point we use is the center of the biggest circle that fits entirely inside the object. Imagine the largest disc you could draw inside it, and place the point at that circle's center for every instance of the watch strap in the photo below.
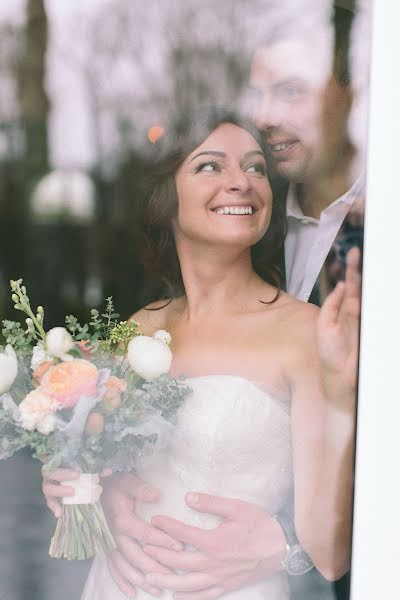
(288, 529)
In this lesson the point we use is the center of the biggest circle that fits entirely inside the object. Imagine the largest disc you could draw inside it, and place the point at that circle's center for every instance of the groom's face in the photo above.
(300, 107)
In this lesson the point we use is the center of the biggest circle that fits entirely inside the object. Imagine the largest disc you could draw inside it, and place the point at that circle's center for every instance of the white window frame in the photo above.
(376, 534)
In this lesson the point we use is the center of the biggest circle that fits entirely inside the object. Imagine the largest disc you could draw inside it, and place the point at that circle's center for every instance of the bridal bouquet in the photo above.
(86, 397)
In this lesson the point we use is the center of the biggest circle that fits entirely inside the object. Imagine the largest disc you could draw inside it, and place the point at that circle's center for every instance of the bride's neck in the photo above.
(215, 280)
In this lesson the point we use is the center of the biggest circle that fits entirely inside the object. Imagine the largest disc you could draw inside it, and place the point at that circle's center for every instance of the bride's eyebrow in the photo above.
(254, 152)
(223, 155)
(209, 153)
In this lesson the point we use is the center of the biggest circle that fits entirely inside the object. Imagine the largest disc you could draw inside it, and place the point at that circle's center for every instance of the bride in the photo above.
(273, 383)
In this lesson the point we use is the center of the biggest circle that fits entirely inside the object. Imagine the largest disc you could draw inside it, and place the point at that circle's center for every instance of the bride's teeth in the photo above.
(234, 210)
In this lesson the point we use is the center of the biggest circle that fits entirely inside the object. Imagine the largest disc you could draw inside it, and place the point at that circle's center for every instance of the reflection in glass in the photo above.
(89, 91)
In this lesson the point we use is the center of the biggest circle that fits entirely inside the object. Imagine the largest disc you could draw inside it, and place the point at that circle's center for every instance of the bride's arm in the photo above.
(323, 428)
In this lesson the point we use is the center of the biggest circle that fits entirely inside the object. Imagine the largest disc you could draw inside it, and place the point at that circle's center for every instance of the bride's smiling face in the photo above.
(223, 190)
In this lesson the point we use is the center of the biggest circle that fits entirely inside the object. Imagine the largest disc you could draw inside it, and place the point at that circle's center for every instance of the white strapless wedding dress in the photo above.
(233, 439)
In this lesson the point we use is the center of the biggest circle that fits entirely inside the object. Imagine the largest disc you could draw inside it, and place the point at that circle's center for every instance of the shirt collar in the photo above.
(293, 208)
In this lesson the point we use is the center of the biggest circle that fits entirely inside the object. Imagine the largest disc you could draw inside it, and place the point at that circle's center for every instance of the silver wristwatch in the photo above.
(296, 561)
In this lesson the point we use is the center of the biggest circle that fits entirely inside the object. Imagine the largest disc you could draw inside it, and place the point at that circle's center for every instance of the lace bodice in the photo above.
(232, 439)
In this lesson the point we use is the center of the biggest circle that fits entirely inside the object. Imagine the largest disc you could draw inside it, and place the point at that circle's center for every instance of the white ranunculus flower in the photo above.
(149, 357)
(59, 342)
(162, 336)
(8, 368)
(39, 356)
(34, 411)
(46, 425)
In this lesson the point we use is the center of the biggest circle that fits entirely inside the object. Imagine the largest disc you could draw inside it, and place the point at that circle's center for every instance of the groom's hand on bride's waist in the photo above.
(129, 564)
(247, 546)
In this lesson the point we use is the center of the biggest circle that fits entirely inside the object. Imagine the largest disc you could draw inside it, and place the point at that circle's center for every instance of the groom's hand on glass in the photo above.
(129, 564)
(247, 546)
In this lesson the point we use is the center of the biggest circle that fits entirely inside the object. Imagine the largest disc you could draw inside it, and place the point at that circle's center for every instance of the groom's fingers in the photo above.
(136, 488)
(128, 524)
(128, 577)
(211, 593)
(224, 507)
(187, 582)
(180, 531)
(185, 560)
(121, 491)
(135, 555)
(125, 587)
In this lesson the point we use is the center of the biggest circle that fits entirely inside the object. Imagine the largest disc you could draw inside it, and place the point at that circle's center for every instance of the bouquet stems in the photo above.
(81, 532)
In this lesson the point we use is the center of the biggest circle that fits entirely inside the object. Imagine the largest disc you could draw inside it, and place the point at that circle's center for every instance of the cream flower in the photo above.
(8, 368)
(59, 342)
(46, 425)
(39, 356)
(35, 410)
(162, 336)
(149, 357)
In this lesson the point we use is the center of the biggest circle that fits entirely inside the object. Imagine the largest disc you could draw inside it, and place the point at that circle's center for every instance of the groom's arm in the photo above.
(226, 558)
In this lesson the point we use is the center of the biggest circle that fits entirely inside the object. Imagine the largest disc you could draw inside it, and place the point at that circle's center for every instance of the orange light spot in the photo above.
(154, 133)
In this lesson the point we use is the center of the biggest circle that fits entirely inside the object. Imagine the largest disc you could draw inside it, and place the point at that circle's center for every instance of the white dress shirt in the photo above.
(309, 240)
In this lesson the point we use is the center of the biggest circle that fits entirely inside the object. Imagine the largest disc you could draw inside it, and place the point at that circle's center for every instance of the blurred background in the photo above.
(86, 88)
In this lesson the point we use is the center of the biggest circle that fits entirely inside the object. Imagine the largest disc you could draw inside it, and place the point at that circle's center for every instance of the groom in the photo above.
(303, 115)
(303, 110)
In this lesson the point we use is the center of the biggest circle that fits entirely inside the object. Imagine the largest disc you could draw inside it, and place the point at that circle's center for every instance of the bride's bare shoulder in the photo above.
(297, 316)
(156, 315)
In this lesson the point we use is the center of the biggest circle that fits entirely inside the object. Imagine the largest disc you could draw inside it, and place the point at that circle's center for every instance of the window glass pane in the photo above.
(209, 157)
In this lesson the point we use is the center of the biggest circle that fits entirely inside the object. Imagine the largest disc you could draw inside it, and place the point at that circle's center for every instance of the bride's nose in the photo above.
(238, 181)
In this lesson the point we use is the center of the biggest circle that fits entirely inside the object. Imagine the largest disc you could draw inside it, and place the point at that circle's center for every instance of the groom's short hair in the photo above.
(341, 22)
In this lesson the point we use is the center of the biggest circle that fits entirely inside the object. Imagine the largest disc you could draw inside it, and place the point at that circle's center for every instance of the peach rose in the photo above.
(95, 423)
(40, 371)
(114, 390)
(68, 381)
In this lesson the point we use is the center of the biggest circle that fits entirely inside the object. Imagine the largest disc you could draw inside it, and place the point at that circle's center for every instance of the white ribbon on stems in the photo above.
(87, 489)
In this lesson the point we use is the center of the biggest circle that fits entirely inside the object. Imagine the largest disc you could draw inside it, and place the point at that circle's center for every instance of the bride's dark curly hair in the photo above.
(160, 205)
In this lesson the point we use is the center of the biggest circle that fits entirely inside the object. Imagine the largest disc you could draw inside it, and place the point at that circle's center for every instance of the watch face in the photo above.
(298, 562)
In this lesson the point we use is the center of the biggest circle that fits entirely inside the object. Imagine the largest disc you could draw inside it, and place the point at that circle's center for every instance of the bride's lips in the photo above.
(282, 150)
